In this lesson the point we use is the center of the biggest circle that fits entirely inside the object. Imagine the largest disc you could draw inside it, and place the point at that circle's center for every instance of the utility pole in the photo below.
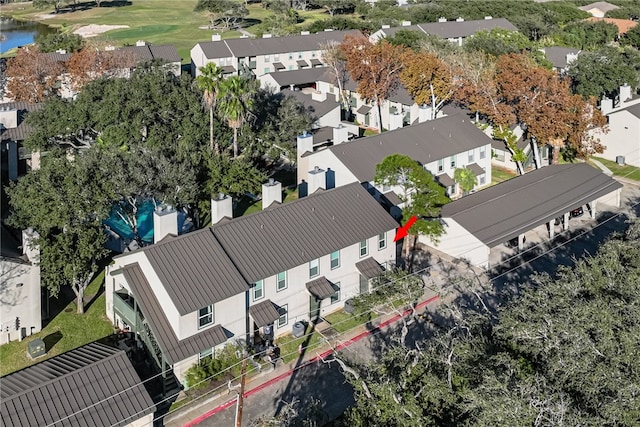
(241, 393)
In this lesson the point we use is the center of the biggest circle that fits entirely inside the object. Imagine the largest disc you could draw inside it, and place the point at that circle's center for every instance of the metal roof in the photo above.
(364, 109)
(393, 198)
(264, 313)
(557, 55)
(316, 61)
(279, 66)
(602, 5)
(445, 180)
(455, 29)
(93, 385)
(501, 212)
(298, 77)
(476, 169)
(302, 63)
(317, 108)
(424, 142)
(320, 288)
(633, 109)
(197, 262)
(274, 240)
(175, 350)
(369, 268)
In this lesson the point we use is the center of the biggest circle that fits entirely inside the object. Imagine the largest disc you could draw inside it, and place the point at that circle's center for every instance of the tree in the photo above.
(209, 82)
(428, 79)
(498, 42)
(421, 194)
(408, 38)
(235, 105)
(601, 73)
(588, 35)
(465, 178)
(52, 42)
(94, 61)
(333, 6)
(226, 11)
(334, 57)
(44, 4)
(32, 75)
(375, 66)
(233, 176)
(632, 37)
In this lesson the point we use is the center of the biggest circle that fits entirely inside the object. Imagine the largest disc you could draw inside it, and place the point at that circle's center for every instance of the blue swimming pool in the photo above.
(144, 218)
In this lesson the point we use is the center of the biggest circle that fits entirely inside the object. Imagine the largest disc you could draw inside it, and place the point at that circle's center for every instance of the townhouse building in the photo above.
(246, 278)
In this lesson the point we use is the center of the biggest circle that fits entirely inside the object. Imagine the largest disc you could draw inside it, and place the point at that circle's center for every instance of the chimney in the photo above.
(221, 207)
(141, 43)
(29, 248)
(488, 17)
(386, 26)
(395, 121)
(304, 144)
(424, 113)
(606, 105)
(61, 51)
(165, 222)
(109, 48)
(460, 19)
(406, 23)
(304, 33)
(625, 94)
(271, 192)
(9, 118)
(317, 179)
(442, 19)
(319, 96)
(340, 134)
(266, 36)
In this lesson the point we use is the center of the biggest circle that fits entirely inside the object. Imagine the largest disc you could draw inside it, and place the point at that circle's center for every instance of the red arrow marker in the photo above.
(402, 232)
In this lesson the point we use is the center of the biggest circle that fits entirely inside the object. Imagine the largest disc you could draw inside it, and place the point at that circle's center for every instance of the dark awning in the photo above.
(364, 109)
(302, 63)
(445, 180)
(278, 65)
(369, 268)
(316, 62)
(228, 69)
(476, 169)
(393, 198)
(264, 313)
(320, 288)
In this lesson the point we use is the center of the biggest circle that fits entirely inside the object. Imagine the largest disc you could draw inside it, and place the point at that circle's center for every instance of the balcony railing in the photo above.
(125, 311)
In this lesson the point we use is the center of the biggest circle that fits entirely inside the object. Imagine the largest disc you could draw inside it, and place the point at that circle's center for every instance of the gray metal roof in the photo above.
(364, 109)
(264, 313)
(298, 77)
(445, 180)
(503, 211)
(165, 52)
(393, 198)
(195, 261)
(279, 66)
(369, 268)
(455, 29)
(424, 142)
(320, 288)
(476, 169)
(302, 63)
(247, 47)
(602, 5)
(274, 240)
(175, 350)
(634, 109)
(557, 55)
(93, 385)
(317, 108)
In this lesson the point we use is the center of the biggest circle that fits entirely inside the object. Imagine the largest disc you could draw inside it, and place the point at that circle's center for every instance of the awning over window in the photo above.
(364, 109)
(476, 169)
(264, 313)
(228, 69)
(445, 180)
(320, 288)
(393, 198)
(279, 66)
(369, 268)
(302, 63)
(315, 62)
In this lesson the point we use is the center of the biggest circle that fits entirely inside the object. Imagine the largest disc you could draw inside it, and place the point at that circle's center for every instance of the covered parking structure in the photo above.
(478, 222)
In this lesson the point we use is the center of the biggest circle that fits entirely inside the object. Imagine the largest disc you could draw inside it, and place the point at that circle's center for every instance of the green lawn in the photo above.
(343, 322)
(626, 171)
(289, 345)
(499, 175)
(71, 329)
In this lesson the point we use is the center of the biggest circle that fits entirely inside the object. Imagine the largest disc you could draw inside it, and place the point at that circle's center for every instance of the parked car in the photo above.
(576, 212)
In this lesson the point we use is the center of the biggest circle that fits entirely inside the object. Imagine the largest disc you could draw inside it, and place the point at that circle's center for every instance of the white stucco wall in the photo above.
(459, 243)
(19, 298)
(325, 159)
(230, 313)
(332, 118)
(623, 138)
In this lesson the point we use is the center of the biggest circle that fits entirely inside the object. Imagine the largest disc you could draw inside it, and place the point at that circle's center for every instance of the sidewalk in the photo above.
(197, 411)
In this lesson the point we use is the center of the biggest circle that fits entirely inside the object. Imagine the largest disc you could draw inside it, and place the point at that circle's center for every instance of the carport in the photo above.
(478, 222)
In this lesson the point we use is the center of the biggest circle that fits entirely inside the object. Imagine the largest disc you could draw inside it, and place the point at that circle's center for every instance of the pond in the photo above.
(20, 33)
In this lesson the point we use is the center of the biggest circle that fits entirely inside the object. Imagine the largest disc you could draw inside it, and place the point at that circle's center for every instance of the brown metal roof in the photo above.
(476, 169)
(274, 240)
(264, 313)
(93, 385)
(175, 350)
(369, 268)
(320, 288)
(302, 63)
(424, 142)
(503, 211)
(445, 180)
(195, 261)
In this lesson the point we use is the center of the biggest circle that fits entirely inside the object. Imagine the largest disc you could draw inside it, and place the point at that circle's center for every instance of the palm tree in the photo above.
(209, 81)
(236, 101)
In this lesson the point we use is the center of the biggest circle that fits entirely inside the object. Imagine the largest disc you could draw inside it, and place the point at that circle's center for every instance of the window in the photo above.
(282, 281)
(453, 162)
(482, 179)
(299, 55)
(208, 352)
(364, 250)
(205, 316)
(313, 54)
(382, 241)
(470, 156)
(483, 151)
(267, 70)
(290, 67)
(335, 260)
(283, 312)
(336, 295)
(258, 290)
(499, 155)
(314, 268)
(267, 59)
(291, 56)
(276, 57)
(440, 165)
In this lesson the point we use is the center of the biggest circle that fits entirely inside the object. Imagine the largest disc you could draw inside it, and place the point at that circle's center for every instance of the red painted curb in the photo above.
(282, 376)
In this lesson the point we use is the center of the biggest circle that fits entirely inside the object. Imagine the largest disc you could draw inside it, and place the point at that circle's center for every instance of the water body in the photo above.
(20, 33)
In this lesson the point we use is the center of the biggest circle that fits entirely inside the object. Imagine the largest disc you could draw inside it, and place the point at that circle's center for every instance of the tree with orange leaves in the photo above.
(375, 66)
(95, 61)
(32, 75)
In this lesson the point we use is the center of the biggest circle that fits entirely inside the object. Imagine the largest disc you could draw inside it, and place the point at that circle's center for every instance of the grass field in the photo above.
(155, 21)
(65, 332)
(499, 175)
(626, 171)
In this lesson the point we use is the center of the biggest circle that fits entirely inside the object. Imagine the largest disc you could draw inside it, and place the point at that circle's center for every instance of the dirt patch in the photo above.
(94, 29)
